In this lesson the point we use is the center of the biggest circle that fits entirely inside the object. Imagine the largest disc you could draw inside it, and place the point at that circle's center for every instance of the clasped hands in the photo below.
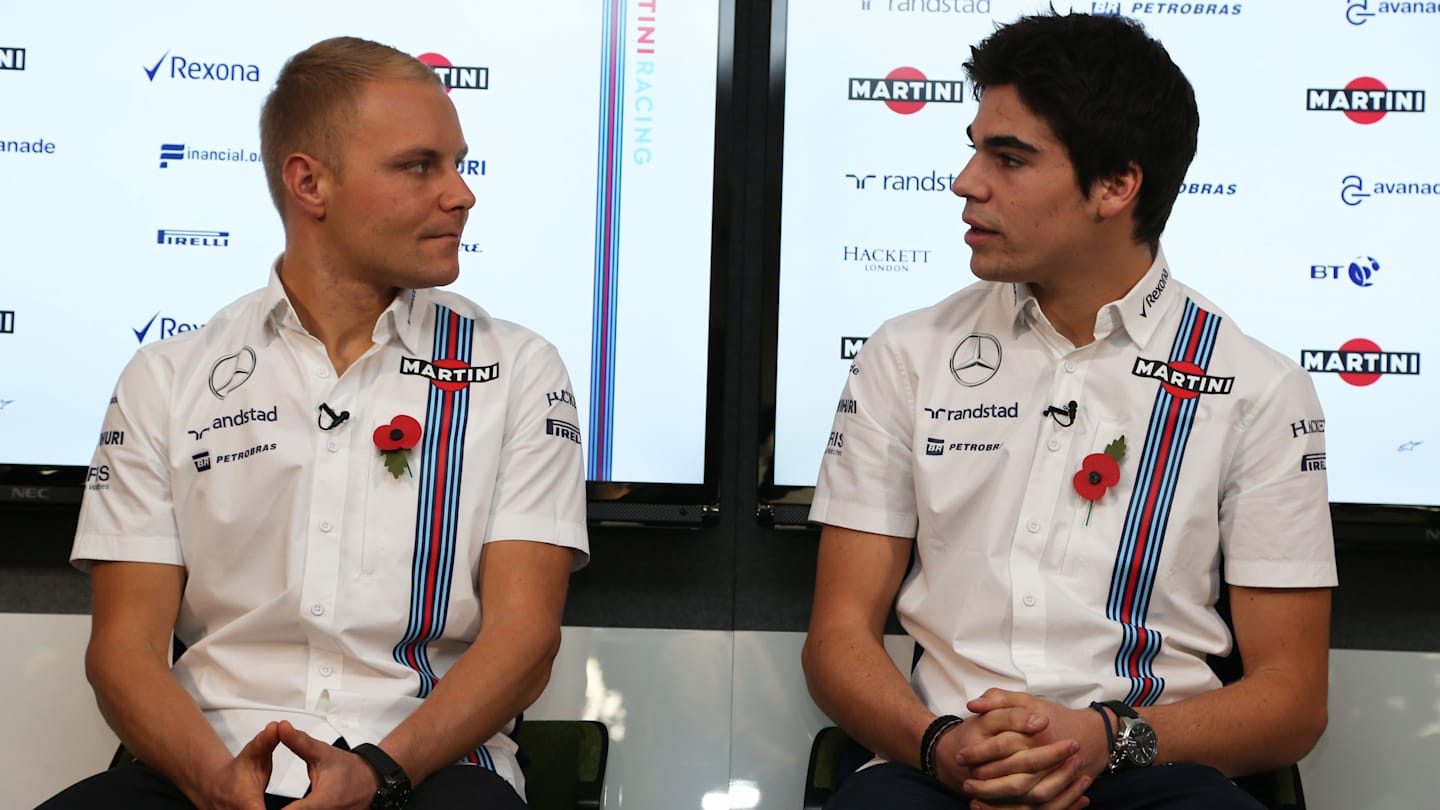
(1020, 750)
(338, 779)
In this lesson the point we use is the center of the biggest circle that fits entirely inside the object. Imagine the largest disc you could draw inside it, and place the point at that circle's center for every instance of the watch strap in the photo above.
(394, 790)
(931, 739)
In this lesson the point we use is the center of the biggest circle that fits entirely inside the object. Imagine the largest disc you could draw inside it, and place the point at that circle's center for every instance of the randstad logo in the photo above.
(1354, 191)
(456, 77)
(184, 68)
(1359, 12)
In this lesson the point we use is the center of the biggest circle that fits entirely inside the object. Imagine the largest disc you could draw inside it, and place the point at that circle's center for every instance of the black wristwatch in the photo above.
(394, 790)
(1135, 741)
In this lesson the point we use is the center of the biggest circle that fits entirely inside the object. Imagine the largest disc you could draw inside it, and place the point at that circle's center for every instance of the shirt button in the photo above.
(1033, 526)
(317, 609)
(1029, 600)
(1070, 367)
(327, 670)
(323, 373)
(324, 525)
(1053, 444)
(332, 446)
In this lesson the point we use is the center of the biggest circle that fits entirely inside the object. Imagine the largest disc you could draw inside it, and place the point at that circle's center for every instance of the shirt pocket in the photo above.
(1095, 502)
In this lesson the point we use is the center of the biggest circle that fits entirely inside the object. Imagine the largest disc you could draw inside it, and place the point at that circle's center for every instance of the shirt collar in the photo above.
(404, 320)
(1139, 312)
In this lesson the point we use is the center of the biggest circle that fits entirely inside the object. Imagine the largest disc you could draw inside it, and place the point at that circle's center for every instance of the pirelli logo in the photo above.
(562, 429)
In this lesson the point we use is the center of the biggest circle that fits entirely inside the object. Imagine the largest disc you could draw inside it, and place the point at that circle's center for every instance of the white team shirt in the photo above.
(941, 435)
(320, 588)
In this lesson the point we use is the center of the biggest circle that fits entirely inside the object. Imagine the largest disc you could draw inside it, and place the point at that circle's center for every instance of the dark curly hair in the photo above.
(1109, 92)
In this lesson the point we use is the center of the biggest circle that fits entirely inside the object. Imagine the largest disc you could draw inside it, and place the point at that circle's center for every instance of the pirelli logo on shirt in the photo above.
(449, 375)
(1184, 380)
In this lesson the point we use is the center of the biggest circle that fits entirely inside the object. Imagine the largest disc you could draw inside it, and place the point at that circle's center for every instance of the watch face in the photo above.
(1142, 744)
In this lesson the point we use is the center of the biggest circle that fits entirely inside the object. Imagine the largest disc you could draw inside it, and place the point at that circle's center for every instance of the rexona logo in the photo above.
(1365, 100)
(934, 181)
(1110, 9)
(1361, 271)
(170, 152)
(449, 375)
(189, 238)
(1359, 12)
(168, 327)
(1354, 191)
(183, 68)
(12, 58)
(456, 77)
(906, 90)
(1360, 362)
(928, 6)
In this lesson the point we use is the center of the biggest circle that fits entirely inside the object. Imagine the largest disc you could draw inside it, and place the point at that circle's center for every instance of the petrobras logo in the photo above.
(182, 68)
(456, 77)
(873, 259)
(934, 181)
(1221, 189)
(1111, 9)
(1360, 362)
(1364, 100)
(905, 90)
(851, 346)
(1354, 190)
(927, 7)
(12, 58)
(1359, 12)
(182, 237)
(39, 146)
(176, 152)
(7, 321)
(168, 327)
(1360, 271)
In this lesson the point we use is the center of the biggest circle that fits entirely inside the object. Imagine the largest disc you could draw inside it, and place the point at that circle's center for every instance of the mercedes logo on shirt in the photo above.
(231, 371)
(975, 360)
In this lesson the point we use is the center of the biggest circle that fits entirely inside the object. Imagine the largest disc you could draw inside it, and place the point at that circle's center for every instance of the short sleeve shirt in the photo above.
(324, 587)
(945, 432)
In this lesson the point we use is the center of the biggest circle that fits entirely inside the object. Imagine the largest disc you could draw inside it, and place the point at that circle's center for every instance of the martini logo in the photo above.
(1359, 12)
(905, 90)
(1365, 100)
(456, 77)
(1184, 380)
(188, 238)
(449, 375)
(12, 58)
(1360, 362)
(1360, 271)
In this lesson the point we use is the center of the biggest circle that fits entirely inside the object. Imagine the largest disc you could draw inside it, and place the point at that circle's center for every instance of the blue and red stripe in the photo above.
(1137, 560)
(607, 242)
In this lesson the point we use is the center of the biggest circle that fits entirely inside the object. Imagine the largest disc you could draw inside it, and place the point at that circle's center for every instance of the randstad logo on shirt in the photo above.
(242, 417)
(986, 411)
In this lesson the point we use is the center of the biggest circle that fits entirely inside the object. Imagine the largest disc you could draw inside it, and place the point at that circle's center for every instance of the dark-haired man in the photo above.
(1070, 449)
(341, 495)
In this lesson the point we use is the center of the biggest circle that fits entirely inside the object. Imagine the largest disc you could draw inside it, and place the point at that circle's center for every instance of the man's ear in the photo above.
(1118, 193)
(306, 181)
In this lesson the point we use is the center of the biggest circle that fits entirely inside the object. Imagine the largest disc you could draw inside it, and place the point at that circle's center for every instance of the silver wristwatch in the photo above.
(1135, 741)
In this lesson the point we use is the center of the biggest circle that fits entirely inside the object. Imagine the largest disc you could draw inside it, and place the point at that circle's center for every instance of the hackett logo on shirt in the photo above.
(449, 375)
(1183, 380)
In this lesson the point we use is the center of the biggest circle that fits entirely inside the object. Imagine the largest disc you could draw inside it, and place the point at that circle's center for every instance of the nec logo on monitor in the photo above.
(12, 58)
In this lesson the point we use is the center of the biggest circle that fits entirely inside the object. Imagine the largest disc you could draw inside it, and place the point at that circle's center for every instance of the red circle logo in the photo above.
(435, 60)
(1359, 377)
(905, 74)
(449, 386)
(1365, 116)
(1188, 368)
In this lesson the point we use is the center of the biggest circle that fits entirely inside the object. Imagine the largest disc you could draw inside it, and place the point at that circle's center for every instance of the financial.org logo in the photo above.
(174, 152)
(905, 90)
(168, 327)
(1360, 271)
(1364, 100)
(188, 238)
(12, 58)
(1353, 189)
(185, 69)
(456, 77)
(934, 181)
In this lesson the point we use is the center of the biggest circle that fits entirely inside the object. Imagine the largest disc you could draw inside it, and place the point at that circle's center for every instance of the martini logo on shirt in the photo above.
(449, 375)
(1183, 380)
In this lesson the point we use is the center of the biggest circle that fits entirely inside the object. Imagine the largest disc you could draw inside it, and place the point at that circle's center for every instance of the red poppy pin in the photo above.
(1098, 473)
(395, 441)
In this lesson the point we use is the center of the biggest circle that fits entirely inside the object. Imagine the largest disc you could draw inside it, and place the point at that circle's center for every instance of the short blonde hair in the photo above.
(315, 95)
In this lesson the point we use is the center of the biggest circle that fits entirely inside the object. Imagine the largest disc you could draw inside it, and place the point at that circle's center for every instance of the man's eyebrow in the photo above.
(426, 153)
(1004, 142)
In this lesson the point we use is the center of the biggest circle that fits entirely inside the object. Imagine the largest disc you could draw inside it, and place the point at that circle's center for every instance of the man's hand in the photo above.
(240, 783)
(338, 779)
(1009, 768)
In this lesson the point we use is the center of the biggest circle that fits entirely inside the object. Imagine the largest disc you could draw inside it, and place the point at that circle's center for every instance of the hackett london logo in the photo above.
(1182, 379)
(449, 375)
